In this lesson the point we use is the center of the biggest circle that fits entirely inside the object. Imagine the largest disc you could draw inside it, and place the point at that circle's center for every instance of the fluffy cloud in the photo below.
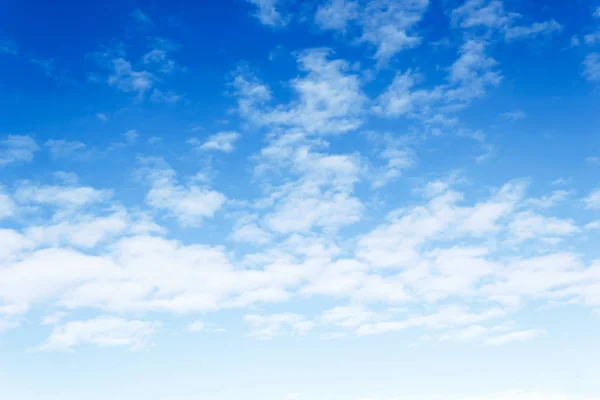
(386, 25)
(491, 15)
(189, 204)
(222, 141)
(267, 13)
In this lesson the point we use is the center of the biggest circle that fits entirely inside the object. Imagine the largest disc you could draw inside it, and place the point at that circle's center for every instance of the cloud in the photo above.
(102, 117)
(54, 318)
(591, 67)
(469, 77)
(528, 225)
(268, 326)
(519, 336)
(104, 331)
(491, 15)
(169, 97)
(545, 28)
(69, 197)
(200, 326)
(328, 99)
(513, 116)
(592, 201)
(386, 25)
(159, 55)
(141, 17)
(8, 46)
(592, 38)
(126, 79)
(336, 14)
(222, 141)
(7, 205)
(449, 316)
(267, 13)
(17, 149)
(60, 148)
(189, 204)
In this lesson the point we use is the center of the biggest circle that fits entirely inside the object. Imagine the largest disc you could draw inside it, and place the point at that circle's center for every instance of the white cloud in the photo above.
(169, 97)
(549, 201)
(514, 116)
(189, 204)
(491, 14)
(592, 201)
(102, 117)
(6, 324)
(104, 331)
(519, 336)
(159, 56)
(328, 99)
(67, 197)
(469, 77)
(269, 326)
(336, 14)
(249, 232)
(60, 148)
(17, 149)
(597, 13)
(222, 141)
(446, 317)
(396, 155)
(528, 225)
(537, 28)
(267, 12)
(591, 67)
(126, 79)
(7, 206)
(592, 38)
(200, 326)
(54, 318)
(388, 25)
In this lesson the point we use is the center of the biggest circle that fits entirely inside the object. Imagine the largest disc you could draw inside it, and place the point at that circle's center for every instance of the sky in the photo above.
(286, 199)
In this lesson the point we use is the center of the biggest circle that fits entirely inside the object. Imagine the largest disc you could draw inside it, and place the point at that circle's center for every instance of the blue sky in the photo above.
(279, 199)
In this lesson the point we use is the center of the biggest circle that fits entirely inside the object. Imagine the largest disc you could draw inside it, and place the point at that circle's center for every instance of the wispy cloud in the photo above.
(17, 149)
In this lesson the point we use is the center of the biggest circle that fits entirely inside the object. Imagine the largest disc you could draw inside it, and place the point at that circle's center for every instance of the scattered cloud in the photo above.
(222, 141)
(491, 15)
(268, 14)
(8, 46)
(104, 331)
(141, 17)
(513, 116)
(591, 67)
(189, 204)
(519, 336)
(592, 201)
(269, 326)
(16, 149)
(60, 148)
